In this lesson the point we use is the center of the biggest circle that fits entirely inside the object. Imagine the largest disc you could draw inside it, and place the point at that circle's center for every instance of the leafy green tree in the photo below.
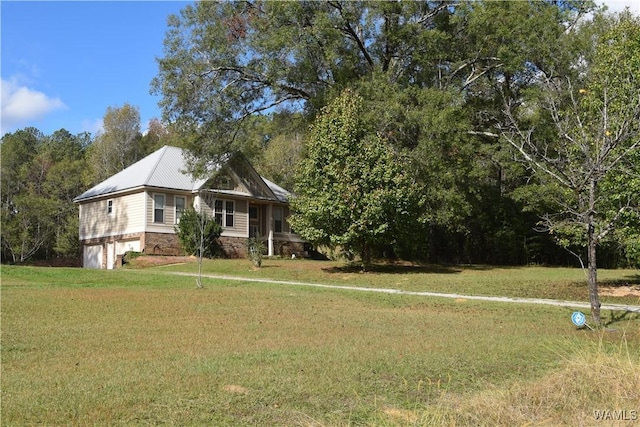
(283, 136)
(26, 210)
(40, 177)
(353, 190)
(119, 145)
(198, 233)
(586, 163)
(228, 61)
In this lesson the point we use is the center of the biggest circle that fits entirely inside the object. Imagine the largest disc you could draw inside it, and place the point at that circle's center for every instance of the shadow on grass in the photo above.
(414, 268)
(632, 279)
(618, 317)
(396, 269)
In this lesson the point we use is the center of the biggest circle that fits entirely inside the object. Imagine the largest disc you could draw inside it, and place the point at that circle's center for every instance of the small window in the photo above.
(229, 211)
(225, 183)
(180, 206)
(158, 208)
(109, 207)
(277, 220)
(253, 212)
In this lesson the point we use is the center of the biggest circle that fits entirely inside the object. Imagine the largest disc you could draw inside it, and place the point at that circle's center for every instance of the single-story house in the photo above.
(138, 208)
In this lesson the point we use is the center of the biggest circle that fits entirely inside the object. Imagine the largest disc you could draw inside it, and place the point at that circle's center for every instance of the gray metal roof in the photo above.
(280, 193)
(164, 168)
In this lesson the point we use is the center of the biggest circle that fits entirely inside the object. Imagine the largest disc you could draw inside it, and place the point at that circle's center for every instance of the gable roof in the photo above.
(163, 169)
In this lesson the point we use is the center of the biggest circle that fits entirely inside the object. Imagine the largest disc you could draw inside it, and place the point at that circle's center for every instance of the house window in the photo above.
(253, 212)
(229, 214)
(180, 205)
(158, 208)
(225, 183)
(109, 207)
(223, 212)
(217, 211)
(277, 220)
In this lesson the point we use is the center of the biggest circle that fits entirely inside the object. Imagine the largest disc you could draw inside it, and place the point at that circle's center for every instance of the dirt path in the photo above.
(541, 301)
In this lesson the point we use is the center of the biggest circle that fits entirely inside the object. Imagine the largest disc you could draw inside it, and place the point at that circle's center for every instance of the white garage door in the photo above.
(92, 256)
(127, 245)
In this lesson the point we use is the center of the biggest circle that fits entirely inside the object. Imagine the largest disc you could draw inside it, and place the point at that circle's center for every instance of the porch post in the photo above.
(270, 229)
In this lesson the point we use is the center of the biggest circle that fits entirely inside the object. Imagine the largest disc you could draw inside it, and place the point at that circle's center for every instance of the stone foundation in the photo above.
(236, 247)
(162, 244)
(232, 247)
(286, 249)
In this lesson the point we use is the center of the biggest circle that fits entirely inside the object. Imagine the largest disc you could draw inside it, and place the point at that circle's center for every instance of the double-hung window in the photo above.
(217, 211)
(229, 211)
(223, 212)
(277, 220)
(109, 207)
(158, 208)
(180, 206)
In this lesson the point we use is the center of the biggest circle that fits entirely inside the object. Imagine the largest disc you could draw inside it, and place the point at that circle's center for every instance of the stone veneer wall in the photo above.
(162, 244)
(233, 247)
(286, 249)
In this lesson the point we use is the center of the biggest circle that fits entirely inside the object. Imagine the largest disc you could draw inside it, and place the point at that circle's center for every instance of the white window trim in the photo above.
(164, 207)
(175, 208)
(110, 207)
(280, 210)
(224, 212)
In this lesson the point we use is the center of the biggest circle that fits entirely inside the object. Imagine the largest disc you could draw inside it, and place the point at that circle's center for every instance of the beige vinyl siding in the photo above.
(240, 217)
(241, 222)
(127, 216)
(166, 226)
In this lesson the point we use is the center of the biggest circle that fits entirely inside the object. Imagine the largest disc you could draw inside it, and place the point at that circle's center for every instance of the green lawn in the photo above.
(141, 347)
(531, 282)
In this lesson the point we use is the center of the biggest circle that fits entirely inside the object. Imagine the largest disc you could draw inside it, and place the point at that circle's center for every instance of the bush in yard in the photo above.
(255, 250)
(197, 233)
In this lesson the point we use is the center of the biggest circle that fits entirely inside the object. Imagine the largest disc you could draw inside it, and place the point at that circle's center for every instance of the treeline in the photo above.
(42, 174)
(516, 120)
(516, 123)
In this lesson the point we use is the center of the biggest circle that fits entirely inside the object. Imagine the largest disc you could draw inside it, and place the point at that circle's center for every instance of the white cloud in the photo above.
(619, 5)
(21, 105)
(94, 127)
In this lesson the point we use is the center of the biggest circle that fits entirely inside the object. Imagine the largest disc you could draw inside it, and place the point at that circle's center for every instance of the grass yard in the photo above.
(530, 282)
(142, 347)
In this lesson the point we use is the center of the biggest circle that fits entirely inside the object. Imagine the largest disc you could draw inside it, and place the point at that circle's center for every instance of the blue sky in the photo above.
(64, 63)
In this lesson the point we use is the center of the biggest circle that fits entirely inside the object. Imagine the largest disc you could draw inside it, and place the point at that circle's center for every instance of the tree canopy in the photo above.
(585, 161)
(353, 190)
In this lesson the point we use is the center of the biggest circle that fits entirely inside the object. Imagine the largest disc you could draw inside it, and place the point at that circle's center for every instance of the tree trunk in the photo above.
(594, 299)
(366, 256)
(592, 242)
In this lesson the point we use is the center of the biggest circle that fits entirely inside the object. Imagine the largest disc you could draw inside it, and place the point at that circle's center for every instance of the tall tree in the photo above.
(586, 162)
(226, 61)
(40, 177)
(435, 73)
(353, 191)
(119, 145)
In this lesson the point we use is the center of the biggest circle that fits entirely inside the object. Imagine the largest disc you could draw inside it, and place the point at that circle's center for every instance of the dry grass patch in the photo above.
(597, 384)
